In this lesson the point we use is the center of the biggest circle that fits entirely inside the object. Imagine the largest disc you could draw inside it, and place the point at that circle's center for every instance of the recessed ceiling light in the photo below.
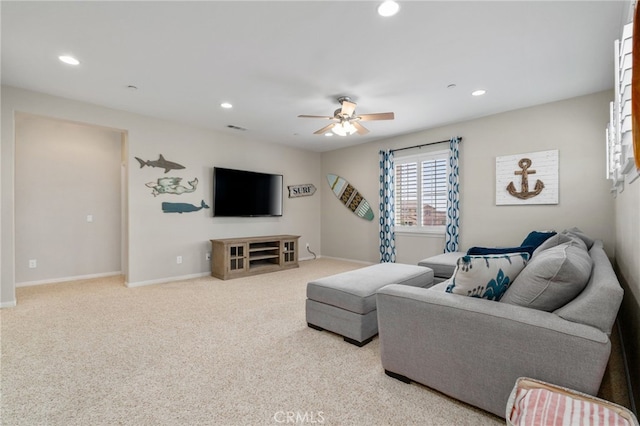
(69, 60)
(451, 86)
(226, 105)
(388, 8)
(478, 92)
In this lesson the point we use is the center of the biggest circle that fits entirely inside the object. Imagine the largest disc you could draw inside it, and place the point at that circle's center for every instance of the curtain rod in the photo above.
(424, 144)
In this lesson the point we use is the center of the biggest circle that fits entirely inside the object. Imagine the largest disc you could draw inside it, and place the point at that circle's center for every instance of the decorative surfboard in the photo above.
(350, 197)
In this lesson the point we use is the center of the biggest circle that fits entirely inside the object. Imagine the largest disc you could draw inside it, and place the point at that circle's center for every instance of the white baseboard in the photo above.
(65, 279)
(166, 280)
(302, 259)
(11, 304)
(347, 260)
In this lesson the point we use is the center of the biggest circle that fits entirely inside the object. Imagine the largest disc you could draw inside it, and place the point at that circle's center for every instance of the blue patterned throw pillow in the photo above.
(488, 276)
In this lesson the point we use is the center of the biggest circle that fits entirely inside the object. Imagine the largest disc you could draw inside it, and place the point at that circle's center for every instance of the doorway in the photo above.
(70, 200)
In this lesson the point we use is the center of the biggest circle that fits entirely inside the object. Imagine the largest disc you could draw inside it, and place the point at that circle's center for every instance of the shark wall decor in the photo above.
(182, 207)
(515, 175)
(171, 185)
(161, 163)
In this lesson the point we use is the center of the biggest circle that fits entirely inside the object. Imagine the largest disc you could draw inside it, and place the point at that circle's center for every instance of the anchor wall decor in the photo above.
(515, 175)
(524, 164)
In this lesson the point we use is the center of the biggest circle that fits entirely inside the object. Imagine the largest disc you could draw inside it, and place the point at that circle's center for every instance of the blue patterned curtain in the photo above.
(453, 199)
(387, 208)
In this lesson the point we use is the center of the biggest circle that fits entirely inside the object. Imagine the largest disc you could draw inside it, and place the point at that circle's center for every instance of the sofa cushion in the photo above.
(488, 276)
(500, 250)
(443, 264)
(553, 241)
(553, 278)
(598, 304)
(576, 232)
(535, 238)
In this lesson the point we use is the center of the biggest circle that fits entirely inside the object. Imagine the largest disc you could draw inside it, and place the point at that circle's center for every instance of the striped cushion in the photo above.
(541, 407)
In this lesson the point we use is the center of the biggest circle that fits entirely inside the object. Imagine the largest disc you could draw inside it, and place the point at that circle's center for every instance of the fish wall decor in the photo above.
(161, 163)
(182, 207)
(171, 185)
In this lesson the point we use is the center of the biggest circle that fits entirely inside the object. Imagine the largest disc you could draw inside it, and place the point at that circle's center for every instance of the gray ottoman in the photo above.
(443, 265)
(346, 303)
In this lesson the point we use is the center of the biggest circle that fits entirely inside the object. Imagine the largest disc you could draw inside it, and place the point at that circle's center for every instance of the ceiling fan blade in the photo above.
(348, 108)
(360, 128)
(315, 116)
(325, 129)
(378, 116)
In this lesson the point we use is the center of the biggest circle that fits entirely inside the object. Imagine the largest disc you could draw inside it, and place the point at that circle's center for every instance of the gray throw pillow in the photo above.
(576, 232)
(551, 279)
(554, 241)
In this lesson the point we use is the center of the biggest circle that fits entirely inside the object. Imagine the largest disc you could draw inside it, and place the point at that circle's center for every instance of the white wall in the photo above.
(575, 127)
(156, 238)
(64, 172)
(627, 233)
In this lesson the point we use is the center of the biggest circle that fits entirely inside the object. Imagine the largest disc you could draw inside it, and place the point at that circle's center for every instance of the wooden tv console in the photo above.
(240, 257)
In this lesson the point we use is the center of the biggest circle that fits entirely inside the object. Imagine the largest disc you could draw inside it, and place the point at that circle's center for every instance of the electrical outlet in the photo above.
(33, 263)
(307, 246)
(179, 260)
(208, 255)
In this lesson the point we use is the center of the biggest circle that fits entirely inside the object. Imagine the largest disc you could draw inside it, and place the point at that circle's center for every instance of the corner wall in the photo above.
(627, 209)
(156, 238)
(575, 127)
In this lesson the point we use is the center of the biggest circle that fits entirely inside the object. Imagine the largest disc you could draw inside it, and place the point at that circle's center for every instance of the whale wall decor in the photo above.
(182, 207)
(172, 185)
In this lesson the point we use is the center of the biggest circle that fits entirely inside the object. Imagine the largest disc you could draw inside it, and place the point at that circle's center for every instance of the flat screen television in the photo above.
(246, 193)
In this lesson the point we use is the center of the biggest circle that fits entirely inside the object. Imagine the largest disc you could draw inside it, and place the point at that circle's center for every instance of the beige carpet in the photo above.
(198, 352)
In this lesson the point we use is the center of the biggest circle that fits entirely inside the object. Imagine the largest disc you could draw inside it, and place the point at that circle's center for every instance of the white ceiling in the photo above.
(276, 60)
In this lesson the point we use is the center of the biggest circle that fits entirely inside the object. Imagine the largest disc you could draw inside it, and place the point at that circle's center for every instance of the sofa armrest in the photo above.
(474, 349)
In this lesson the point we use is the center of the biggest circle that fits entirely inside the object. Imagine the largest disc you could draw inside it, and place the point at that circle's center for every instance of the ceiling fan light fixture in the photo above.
(344, 128)
(388, 8)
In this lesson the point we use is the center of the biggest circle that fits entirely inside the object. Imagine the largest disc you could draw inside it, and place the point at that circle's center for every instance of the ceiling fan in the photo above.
(346, 121)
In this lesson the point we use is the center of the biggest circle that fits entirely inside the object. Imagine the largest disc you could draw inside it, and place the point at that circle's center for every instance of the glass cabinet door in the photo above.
(237, 257)
(289, 252)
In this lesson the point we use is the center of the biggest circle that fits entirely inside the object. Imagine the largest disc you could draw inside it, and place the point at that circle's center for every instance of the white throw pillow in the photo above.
(487, 276)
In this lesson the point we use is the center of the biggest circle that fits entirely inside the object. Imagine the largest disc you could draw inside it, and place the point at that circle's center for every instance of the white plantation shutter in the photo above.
(421, 192)
(434, 192)
(407, 194)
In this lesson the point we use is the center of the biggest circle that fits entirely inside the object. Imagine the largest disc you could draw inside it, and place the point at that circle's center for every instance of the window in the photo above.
(421, 192)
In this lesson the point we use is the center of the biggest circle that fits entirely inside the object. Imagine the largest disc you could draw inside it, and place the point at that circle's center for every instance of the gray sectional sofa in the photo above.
(474, 349)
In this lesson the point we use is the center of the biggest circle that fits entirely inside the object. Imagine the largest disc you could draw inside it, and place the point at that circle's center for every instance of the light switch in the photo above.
(89, 218)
